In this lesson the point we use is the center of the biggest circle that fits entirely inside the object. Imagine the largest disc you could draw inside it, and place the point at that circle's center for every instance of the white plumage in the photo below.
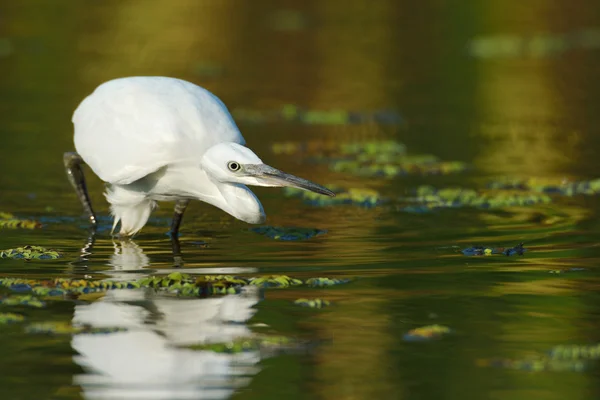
(154, 120)
(158, 138)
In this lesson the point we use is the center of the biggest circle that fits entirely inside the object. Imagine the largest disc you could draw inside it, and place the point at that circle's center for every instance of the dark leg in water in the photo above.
(73, 163)
(180, 206)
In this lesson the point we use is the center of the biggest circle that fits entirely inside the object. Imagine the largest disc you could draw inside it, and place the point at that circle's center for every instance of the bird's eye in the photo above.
(233, 166)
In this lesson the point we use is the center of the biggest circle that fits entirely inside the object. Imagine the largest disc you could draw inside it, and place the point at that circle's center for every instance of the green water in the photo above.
(512, 89)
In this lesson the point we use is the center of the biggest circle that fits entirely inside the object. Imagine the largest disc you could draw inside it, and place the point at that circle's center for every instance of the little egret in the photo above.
(164, 139)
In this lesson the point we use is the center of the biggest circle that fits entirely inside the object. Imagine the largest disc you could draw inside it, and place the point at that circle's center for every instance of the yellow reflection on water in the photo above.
(520, 103)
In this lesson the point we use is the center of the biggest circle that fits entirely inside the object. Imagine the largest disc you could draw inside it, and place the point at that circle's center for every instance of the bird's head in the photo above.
(237, 164)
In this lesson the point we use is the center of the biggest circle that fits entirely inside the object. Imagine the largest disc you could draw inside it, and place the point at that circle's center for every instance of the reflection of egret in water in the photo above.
(146, 362)
(129, 262)
(128, 258)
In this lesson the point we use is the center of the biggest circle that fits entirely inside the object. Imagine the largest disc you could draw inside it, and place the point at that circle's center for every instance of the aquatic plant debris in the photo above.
(325, 282)
(275, 281)
(312, 303)
(259, 342)
(575, 358)
(175, 283)
(558, 187)
(288, 233)
(9, 221)
(488, 251)
(575, 352)
(22, 300)
(532, 365)
(379, 158)
(428, 198)
(10, 318)
(416, 165)
(65, 328)
(424, 333)
(366, 198)
(30, 253)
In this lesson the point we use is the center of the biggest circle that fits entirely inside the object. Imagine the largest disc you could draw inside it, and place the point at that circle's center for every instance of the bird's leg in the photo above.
(180, 207)
(85, 251)
(73, 163)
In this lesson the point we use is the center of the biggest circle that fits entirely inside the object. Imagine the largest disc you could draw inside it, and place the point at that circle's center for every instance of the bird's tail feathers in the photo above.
(130, 208)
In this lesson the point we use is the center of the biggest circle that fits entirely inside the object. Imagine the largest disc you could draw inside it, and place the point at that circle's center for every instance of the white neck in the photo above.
(183, 181)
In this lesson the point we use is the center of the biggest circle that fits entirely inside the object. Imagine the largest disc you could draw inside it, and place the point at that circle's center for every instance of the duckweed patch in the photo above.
(312, 303)
(325, 282)
(564, 188)
(574, 358)
(22, 300)
(429, 198)
(354, 196)
(288, 234)
(30, 253)
(10, 318)
(575, 352)
(383, 166)
(275, 281)
(241, 345)
(64, 328)
(539, 365)
(381, 158)
(9, 221)
(175, 283)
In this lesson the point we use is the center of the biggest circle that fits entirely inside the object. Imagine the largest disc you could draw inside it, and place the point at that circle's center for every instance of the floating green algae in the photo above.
(325, 282)
(288, 233)
(30, 253)
(402, 166)
(374, 148)
(10, 318)
(534, 365)
(223, 278)
(65, 328)
(559, 187)
(354, 196)
(429, 198)
(9, 221)
(275, 281)
(22, 300)
(428, 332)
(378, 158)
(255, 343)
(576, 358)
(312, 303)
(575, 352)
(175, 283)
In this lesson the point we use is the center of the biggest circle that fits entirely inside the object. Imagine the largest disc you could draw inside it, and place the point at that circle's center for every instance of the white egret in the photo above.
(164, 139)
